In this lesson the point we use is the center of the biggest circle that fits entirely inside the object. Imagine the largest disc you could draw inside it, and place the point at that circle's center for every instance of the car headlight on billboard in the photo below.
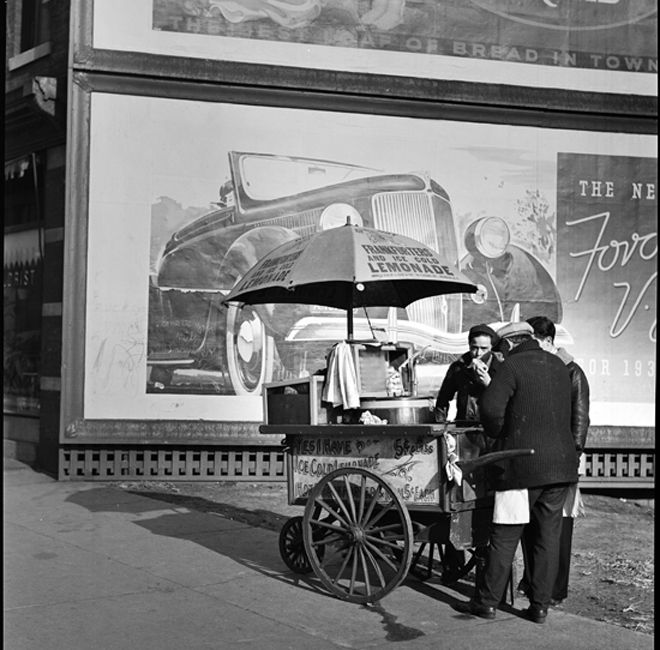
(488, 237)
(338, 214)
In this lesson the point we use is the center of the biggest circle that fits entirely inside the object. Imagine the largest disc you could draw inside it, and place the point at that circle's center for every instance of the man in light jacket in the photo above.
(544, 333)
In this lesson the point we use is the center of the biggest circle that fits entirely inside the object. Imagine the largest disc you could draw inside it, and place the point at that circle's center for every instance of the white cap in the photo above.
(513, 329)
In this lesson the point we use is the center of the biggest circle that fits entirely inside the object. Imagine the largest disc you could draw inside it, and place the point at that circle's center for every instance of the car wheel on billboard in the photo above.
(250, 351)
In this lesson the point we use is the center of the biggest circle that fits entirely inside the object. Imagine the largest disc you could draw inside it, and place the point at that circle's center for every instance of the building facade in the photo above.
(158, 148)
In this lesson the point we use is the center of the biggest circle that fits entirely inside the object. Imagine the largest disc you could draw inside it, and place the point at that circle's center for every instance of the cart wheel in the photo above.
(452, 562)
(426, 573)
(455, 567)
(367, 547)
(292, 548)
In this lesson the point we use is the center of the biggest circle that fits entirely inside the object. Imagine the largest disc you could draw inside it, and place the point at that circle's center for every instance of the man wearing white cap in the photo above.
(527, 405)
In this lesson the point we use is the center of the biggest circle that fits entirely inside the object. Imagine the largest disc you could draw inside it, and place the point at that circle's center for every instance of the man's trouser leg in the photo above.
(526, 544)
(546, 505)
(560, 589)
(501, 551)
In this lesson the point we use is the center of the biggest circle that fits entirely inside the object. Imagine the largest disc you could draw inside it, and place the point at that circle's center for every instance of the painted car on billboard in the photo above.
(196, 344)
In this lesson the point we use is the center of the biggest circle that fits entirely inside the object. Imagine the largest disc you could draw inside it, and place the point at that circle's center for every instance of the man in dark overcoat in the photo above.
(527, 405)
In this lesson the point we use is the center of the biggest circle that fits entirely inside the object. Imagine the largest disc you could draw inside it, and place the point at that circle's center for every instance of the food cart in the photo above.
(375, 474)
(378, 496)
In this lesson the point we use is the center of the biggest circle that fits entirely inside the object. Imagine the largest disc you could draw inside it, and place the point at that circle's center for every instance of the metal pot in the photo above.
(401, 410)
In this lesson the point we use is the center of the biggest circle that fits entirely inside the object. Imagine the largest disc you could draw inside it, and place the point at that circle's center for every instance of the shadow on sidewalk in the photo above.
(251, 550)
(112, 499)
(256, 518)
(238, 544)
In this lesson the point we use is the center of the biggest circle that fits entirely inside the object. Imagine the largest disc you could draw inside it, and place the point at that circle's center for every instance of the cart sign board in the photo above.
(607, 211)
(408, 464)
(593, 45)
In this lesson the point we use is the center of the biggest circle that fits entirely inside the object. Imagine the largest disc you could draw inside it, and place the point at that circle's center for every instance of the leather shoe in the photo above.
(536, 614)
(470, 607)
(556, 602)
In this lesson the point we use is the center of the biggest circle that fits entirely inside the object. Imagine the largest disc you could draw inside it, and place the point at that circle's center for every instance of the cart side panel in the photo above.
(408, 463)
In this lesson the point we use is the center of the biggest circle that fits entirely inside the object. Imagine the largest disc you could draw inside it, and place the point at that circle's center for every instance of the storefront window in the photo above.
(22, 285)
(35, 23)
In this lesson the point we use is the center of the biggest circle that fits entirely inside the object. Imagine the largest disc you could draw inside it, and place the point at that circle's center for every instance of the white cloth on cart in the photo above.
(454, 472)
(341, 386)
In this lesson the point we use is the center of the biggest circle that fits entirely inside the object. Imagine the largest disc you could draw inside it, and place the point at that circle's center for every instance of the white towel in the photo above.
(341, 387)
(454, 472)
(511, 507)
(573, 505)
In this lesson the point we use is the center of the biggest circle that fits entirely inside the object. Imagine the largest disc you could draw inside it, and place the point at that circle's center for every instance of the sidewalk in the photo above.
(88, 565)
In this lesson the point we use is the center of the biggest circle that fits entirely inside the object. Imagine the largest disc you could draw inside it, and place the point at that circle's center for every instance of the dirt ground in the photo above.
(612, 572)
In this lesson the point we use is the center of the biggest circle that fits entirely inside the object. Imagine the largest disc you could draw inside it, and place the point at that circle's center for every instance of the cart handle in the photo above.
(469, 466)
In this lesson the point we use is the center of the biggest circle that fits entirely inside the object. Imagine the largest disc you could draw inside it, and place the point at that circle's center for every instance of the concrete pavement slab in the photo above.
(96, 567)
(428, 607)
(85, 506)
(39, 569)
(361, 625)
(417, 614)
(148, 539)
(17, 473)
(90, 496)
(303, 607)
(181, 619)
(185, 560)
(246, 545)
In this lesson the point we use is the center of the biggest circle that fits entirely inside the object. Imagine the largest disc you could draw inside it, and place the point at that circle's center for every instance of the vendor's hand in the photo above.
(440, 416)
(481, 371)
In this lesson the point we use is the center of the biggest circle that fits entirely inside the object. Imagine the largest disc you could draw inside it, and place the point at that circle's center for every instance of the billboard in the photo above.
(211, 187)
(585, 45)
(608, 225)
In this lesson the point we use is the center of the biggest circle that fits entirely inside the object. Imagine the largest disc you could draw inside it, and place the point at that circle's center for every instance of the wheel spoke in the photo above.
(363, 494)
(363, 561)
(329, 539)
(376, 566)
(386, 508)
(332, 512)
(344, 563)
(382, 556)
(384, 542)
(338, 500)
(320, 523)
(384, 529)
(353, 573)
(349, 497)
(370, 509)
